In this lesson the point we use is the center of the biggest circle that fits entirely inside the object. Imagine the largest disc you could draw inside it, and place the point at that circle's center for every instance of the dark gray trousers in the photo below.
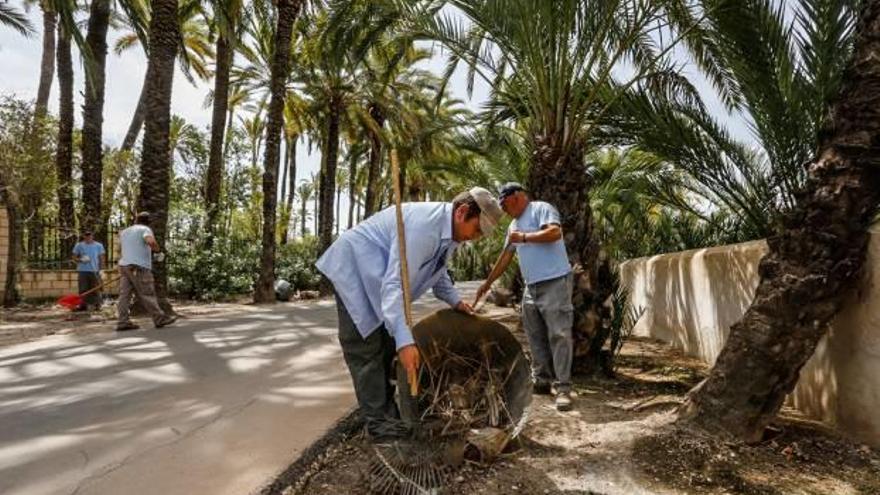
(370, 363)
(86, 281)
(547, 317)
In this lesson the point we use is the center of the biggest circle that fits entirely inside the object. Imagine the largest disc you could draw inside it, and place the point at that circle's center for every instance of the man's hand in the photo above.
(516, 237)
(484, 288)
(464, 307)
(410, 359)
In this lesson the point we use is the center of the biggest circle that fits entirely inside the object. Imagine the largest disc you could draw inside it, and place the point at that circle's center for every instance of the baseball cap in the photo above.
(490, 212)
(508, 189)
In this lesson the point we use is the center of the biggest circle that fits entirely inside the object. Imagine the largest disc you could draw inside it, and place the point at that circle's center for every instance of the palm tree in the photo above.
(227, 20)
(165, 39)
(193, 60)
(64, 151)
(341, 179)
(47, 59)
(555, 88)
(812, 265)
(93, 115)
(14, 19)
(287, 12)
(304, 191)
(781, 85)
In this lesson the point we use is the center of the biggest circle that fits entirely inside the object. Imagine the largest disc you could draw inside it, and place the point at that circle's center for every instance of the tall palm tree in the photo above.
(47, 58)
(286, 14)
(227, 21)
(165, 39)
(305, 191)
(64, 151)
(93, 114)
(555, 87)
(812, 265)
(196, 51)
(341, 180)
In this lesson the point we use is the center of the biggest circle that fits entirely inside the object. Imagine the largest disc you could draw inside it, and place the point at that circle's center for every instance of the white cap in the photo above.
(490, 212)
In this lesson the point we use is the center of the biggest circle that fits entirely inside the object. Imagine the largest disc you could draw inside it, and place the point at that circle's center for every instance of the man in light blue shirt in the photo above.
(363, 265)
(535, 235)
(137, 245)
(90, 257)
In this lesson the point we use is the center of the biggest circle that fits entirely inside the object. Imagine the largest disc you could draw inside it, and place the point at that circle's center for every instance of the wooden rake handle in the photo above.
(412, 375)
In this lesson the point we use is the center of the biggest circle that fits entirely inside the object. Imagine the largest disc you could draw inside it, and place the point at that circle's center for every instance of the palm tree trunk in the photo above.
(560, 179)
(328, 176)
(64, 152)
(352, 184)
(47, 62)
(93, 115)
(302, 215)
(155, 160)
(10, 294)
(374, 172)
(291, 187)
(316, 206)
(338, 205)
(288, 10)
(811, 266)
(214, 176)
(137, 120)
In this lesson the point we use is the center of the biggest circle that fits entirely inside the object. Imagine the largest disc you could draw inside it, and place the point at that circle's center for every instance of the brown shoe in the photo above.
(563, 401)
(122, 327)
(164, 322)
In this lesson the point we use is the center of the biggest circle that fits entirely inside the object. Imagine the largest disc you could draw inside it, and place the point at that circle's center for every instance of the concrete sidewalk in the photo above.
(211, 405)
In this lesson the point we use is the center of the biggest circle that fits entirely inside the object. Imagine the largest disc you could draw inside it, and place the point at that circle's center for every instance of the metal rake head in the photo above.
(405, 467)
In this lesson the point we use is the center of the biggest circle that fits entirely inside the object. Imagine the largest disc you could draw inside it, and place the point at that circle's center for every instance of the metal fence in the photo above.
(47, 246)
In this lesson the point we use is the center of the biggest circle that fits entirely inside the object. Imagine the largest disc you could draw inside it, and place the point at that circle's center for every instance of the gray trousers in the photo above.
(86, 281)
(370, 363)
(547, 317)
(139, 281)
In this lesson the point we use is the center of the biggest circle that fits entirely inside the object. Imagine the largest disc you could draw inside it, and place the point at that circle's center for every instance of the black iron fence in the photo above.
(47, 246)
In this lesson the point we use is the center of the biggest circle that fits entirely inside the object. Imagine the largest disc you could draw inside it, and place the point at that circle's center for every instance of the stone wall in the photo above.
(691, 299)
(43, 284)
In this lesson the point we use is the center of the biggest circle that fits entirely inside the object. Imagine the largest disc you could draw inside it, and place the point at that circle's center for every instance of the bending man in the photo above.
(364, 267)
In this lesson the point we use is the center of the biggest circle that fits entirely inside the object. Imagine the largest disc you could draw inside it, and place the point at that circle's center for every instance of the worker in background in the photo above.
(535, 236)
(363, 265)
(138, 244)
(90, 257)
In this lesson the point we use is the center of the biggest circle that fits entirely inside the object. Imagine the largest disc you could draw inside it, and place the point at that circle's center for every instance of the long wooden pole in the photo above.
(412, 376)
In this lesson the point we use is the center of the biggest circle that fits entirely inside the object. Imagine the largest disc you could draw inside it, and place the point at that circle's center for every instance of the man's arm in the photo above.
(151, 241)
(548, 233)
(500, 267)
(76, 254)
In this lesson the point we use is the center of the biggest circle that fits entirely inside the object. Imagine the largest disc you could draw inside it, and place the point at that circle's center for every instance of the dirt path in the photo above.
(619, 440)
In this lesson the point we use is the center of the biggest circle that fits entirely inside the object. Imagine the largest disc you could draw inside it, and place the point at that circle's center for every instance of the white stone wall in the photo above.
(692, 298)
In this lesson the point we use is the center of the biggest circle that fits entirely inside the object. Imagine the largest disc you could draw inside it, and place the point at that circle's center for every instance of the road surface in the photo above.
(213, 405)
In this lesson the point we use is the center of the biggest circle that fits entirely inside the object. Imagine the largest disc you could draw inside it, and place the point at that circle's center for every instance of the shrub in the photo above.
(229, 268)
(295, 262)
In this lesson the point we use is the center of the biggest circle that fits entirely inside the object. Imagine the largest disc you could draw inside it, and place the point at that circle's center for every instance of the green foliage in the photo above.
(295, 262)
(27, 156)
(228, 269)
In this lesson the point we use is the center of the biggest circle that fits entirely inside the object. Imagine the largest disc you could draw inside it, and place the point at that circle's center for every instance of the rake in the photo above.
(73, 301)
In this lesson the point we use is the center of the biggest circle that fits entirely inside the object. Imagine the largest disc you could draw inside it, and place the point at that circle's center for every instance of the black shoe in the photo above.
(122, 327)
(164, 322)
(541, 388)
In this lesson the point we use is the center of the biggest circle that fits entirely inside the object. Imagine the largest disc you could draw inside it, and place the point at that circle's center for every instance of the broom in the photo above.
(73, 301)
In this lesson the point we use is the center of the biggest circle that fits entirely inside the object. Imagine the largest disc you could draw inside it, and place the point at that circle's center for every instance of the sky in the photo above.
(19, 74)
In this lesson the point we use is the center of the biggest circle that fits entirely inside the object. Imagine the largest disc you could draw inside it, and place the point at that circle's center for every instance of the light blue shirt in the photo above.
(364, 266)
(93, 250)
(539, 261)
(134, 247)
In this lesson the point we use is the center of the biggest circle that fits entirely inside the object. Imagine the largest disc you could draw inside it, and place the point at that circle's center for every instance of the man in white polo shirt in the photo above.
(535, 235)
(136, 269)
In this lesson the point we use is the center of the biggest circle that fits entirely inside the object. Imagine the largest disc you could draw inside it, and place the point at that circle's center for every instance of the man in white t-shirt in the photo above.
(138, 244)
